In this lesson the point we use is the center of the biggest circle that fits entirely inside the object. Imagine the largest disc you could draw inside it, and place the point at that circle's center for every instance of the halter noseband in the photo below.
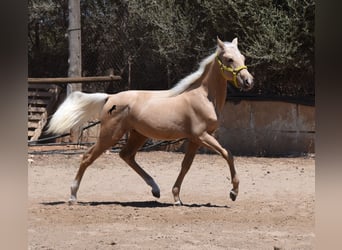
(231, 70)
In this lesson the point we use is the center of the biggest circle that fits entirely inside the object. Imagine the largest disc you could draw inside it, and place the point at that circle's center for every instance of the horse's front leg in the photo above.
(186, 163)
(210, 142)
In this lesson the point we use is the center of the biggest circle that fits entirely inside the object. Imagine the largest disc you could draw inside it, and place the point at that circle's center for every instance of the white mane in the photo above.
(184, 84)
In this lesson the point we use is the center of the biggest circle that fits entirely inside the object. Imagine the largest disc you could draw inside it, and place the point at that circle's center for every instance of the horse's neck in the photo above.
(215, 86)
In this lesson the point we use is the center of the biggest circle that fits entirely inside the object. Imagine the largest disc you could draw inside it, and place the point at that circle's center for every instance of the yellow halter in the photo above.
(231, 70)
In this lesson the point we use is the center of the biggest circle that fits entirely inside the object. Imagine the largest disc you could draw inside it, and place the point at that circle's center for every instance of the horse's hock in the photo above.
(267, 128)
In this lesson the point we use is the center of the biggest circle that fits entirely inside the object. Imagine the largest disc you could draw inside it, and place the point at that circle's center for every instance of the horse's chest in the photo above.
(204, 119)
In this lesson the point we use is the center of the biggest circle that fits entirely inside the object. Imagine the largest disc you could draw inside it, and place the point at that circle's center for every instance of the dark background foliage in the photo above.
(164, 41)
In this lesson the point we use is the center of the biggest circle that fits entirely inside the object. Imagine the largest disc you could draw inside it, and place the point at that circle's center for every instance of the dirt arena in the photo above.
(274, 209)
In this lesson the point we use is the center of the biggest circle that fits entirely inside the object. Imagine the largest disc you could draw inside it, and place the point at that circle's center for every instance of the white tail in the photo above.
(77, 108)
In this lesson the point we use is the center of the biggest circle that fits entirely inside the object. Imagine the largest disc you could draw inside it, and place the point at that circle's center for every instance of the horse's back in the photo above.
(149, 112)
(154, 114)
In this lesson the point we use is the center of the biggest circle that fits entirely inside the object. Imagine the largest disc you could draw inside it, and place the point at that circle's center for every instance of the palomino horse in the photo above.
(189, 110)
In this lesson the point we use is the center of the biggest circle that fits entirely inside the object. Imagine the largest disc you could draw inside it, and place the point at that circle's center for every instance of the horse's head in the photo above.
(232, 64)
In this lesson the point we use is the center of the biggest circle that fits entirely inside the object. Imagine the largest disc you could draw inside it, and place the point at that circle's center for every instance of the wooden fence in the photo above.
(43, 97)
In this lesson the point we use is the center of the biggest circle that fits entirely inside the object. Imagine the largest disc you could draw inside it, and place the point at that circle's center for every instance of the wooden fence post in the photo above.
(75, 52)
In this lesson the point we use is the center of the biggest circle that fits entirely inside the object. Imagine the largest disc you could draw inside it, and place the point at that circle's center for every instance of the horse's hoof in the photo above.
(233, 195)
(72, 201)
(156, 193)
(178, 203)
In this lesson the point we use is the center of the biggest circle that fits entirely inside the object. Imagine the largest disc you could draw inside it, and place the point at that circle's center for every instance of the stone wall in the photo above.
(267, 128)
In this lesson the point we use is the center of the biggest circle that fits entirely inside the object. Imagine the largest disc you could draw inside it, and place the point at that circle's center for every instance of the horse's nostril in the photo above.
(248, 83)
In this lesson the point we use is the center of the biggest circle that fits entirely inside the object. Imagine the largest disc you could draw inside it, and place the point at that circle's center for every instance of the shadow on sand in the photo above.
(136, 204)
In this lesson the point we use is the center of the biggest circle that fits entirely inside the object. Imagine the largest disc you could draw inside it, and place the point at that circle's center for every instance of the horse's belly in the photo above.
(166, 118)
(161, 129)
(160, 123)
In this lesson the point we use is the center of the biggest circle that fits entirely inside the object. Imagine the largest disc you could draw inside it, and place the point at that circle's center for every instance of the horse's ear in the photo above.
(235, 41)
(220, 44)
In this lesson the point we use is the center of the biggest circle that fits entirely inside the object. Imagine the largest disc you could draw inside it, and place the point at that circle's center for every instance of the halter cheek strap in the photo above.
(231, 70)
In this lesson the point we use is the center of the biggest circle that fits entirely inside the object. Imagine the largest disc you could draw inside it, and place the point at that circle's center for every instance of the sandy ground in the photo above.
(274, 209)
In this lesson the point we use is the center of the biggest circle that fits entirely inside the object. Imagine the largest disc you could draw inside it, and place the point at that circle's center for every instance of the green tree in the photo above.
(165, 40)
(47, 43)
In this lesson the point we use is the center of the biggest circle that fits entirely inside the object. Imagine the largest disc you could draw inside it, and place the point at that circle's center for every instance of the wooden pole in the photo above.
(75, 56)
(74, 36)
(129, 72)
(63, 80)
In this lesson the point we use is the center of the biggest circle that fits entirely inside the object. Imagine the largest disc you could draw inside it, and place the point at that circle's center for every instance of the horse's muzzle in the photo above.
(247, 84)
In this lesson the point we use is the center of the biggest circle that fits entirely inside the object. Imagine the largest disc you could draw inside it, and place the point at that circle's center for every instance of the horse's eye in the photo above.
(230, 60)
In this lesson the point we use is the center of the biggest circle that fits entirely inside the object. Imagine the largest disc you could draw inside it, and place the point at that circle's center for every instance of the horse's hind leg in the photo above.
(186, 163)
(210, 142)
(135, 141)
(103, 143)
